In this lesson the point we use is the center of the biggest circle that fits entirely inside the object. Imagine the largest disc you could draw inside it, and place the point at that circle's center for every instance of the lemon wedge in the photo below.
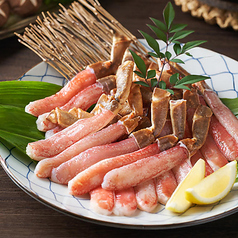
(214, 187)
(177, 202)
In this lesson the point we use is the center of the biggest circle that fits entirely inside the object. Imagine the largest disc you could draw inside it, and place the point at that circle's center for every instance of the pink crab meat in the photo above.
(125, 202)
(92, 177)
(76, 84)
(69, 169)
(146, 196)
(145, 169)
(102, 201)
(44, 167)
(60, 141)
(225, 142)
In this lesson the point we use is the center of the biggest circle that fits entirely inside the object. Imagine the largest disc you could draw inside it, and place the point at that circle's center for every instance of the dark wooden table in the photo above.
(22, 216)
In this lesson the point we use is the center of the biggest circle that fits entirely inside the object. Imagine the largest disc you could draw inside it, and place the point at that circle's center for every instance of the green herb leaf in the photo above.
(159, 24)
(182, 86)
(180, 35)
(160, 34)
(162, 84)
(154, 54)
(170, 91)
(177, 61)
(142, 83)
(177, 27)
(151, 42)
(174, 78)
(139, 74)
(169, 14)
(190, 79)
(177, 49)
(191, 44)
(168, 55)
(139, 63)
(153, 82)
(151, 74)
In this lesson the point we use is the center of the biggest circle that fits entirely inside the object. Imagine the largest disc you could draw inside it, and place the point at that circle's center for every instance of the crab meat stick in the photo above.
(65, 138)
(222, 112)
(69, 169)
(83, 100)
(78, 83)
(145, 169)
(125, 202)
(102, 201)
(212, 154)
(180, 171)
(44, 167)
(198, 155)
(92, 177)
(225, 142)
(146, 196)
(165, 185)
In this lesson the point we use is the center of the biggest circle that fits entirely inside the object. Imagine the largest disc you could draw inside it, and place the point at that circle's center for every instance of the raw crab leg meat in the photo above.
(145, 169)
(125, 202)
(84, 99)
(212, 154)
(222, 112)
(146, 196)
(102, 201)
(69, 169)
(165, 185)
(44, 167)
(65, 138)
(225, 142)
(78, 83)
(92, 177)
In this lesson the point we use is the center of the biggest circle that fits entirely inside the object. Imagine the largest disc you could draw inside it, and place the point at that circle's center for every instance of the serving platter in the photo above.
(223, 72)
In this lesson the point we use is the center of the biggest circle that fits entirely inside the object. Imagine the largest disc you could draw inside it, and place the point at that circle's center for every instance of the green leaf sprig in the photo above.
(169, 33)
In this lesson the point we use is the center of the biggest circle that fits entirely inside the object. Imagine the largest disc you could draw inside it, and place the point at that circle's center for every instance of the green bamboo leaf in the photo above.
(20, 93)
(169, 14)
(151, 74)
(153, 82)
(177, 61)
(142, 83)
(159, 24)
(180, 35)
(151, 42)
(18, 127)
(177, 27)
(160, 34)
(232, 104)
(139, 63)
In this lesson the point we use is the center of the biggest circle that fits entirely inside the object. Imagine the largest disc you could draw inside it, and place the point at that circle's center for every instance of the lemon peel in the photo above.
(214, 187)
(177, 202)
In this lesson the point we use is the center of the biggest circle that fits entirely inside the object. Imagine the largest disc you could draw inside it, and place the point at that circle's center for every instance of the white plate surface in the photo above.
(224, 80)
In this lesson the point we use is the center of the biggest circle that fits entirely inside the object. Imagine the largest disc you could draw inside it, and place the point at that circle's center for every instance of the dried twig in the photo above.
(75, 37)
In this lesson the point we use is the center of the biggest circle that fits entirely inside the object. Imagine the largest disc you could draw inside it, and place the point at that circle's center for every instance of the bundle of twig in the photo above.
(75, 37)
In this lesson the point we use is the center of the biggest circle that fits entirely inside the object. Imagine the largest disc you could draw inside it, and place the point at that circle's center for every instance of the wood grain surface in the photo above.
(23, 216)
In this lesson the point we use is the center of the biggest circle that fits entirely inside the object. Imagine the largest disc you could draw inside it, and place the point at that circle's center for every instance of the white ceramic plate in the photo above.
(224, 80)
